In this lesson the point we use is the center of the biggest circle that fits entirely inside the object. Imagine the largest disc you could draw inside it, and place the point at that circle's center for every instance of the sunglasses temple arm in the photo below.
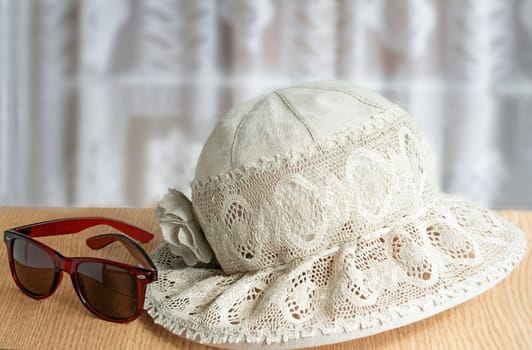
(100, 241)
(74, 225)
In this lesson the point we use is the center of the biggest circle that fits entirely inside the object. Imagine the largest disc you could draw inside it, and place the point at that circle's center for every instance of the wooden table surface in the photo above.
(501, 318)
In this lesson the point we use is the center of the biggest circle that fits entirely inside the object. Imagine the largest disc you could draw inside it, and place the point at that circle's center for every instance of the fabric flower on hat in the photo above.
(181, 230)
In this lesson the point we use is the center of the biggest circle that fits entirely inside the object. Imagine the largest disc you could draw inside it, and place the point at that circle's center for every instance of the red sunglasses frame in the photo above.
(143, 275)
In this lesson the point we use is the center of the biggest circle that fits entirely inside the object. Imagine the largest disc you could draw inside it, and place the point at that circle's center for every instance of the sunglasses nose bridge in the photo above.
(67, 265)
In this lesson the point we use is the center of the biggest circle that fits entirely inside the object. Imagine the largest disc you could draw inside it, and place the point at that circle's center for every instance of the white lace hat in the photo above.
(316, 218)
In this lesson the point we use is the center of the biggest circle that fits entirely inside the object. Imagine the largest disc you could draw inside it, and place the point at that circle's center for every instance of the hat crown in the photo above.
(305, 169)
(282, 121)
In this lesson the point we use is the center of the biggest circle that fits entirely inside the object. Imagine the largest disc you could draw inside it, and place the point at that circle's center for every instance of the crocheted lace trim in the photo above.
(452, 250)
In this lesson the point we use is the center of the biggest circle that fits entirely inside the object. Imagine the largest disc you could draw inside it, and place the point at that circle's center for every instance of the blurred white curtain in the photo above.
(108, 102)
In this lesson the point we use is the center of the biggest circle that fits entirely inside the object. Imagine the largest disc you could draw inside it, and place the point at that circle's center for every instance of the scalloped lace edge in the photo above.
(393, 317)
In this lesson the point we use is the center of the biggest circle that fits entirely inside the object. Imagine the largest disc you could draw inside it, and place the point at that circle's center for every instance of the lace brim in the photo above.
(428, 262)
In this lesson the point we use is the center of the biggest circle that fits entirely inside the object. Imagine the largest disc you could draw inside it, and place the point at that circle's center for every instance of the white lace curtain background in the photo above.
(108, 102)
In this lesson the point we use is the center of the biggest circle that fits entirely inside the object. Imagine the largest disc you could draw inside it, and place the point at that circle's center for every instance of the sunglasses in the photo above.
(111, 290)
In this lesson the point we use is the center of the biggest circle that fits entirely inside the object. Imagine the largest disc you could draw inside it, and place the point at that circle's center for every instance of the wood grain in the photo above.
(501, 318)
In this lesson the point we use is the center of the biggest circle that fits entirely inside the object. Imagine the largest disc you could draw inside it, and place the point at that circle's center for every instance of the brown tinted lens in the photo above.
(109, 289)
(34, 267)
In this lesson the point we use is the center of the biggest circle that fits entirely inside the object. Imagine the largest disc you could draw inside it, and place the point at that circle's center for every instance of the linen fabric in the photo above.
(316, 218)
